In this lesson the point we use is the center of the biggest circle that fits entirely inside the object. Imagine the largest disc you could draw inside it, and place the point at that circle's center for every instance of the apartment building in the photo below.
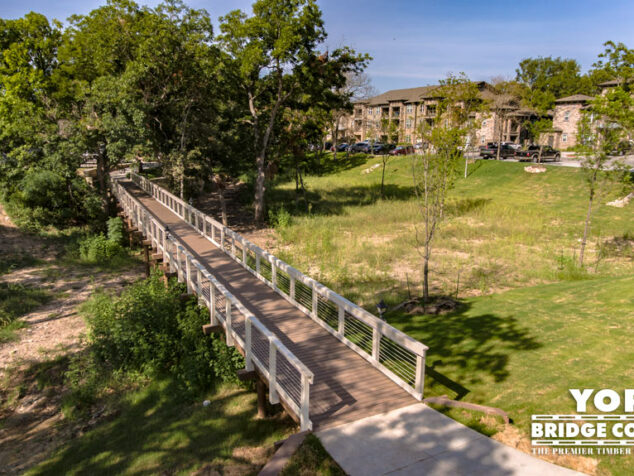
(406, 109)
(566, 117)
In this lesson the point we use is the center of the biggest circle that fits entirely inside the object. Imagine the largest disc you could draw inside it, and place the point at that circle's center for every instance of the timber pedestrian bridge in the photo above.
(327, 360)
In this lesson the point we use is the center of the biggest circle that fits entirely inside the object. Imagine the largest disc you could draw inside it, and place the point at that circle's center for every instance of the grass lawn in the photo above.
(532, 324)
(17, 300)
(159, 431)
(522, 350)
(505, 228)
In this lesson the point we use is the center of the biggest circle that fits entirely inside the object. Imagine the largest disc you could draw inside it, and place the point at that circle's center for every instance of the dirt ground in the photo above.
(30, 416)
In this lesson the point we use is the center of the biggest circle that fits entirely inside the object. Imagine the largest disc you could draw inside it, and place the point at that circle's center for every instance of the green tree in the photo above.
(434, 172)
(547, 79)
(276, 54)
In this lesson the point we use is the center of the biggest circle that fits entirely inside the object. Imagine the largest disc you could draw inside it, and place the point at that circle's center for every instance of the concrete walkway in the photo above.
(417, 440)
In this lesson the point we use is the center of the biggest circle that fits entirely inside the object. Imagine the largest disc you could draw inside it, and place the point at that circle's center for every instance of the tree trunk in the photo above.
(259, 190)
(223, 206)
(539, 155)
(586, 228)
(426, 279)
(497, 155)
(383, 176)
(102, 179)
(301, 182)
(296, 186)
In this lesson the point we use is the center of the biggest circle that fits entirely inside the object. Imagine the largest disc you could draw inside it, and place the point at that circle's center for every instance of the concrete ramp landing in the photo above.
(417, 440)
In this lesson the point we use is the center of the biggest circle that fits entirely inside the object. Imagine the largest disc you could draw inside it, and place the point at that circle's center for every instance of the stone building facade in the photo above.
(566, 117)
(406, 109)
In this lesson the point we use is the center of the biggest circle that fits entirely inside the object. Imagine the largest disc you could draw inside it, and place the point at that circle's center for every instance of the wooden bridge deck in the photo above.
(346, 387)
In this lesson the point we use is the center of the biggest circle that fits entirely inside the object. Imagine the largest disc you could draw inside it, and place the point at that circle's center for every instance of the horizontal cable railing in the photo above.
(397, 355)
(287, 376)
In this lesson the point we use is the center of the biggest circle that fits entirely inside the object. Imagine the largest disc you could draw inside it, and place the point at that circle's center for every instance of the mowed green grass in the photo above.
(504, 229)
(522, 350)
(531, 324)
(159, 431)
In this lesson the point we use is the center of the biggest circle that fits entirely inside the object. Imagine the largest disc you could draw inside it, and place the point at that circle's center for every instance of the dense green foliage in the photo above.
(148, 329)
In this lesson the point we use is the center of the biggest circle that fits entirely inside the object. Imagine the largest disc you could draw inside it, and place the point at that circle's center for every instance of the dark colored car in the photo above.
(490, 151)
(402, 150)
(340, 148)
(532, 153)
(360, 147)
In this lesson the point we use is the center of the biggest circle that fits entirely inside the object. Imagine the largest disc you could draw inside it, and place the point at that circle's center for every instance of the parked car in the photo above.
(490, 151)
(532, 153)
(402, 150)
(360, 147)
(625, 147)
(340, 148)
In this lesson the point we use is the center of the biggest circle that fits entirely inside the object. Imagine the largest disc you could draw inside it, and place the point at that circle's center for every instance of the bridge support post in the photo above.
(146, 256)
(260, 388)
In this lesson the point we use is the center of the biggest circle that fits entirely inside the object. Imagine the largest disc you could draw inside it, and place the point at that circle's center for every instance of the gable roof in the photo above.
(575, 98)
(405, 95)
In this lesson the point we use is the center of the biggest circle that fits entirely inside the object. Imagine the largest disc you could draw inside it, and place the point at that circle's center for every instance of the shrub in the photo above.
(97, 249)
(280, 218)
(148, 329)
(115, 230)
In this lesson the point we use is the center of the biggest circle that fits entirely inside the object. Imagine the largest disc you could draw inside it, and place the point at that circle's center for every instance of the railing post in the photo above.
(188, 277)
(222, 238)
(274, 273)
(304, 420)
(244, 254)
(315, 301)
(273, 398)
(213, 233)
(376, 343)
(212, 304)
(248, 351)
(342, 321)
(420, 373)
(199, 288)
(257, 263)
(233, 245)
(228, 328)
(178, 263)
(291, 291)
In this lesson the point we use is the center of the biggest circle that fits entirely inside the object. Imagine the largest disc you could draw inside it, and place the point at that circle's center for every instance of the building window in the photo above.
(422, 107)
(410, 108)
(564, 137)
(484, 123)
(408, 123)
(377, 111)
(408, 139)
(566, 116)
(369, 111)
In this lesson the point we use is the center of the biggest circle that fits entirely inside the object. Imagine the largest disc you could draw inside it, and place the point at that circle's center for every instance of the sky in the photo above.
(415, 43)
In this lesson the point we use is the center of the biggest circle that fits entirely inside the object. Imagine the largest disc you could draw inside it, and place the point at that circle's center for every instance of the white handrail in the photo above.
(399, 356)
(161, 240)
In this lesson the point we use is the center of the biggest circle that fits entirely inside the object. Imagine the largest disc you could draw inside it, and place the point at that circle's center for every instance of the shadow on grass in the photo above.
(160, 430)
(333, 201)
(330, 165)
(466, 349)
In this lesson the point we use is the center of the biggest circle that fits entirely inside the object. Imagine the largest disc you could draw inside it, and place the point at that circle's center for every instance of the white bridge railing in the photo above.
(287, 376)
(397, 355)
